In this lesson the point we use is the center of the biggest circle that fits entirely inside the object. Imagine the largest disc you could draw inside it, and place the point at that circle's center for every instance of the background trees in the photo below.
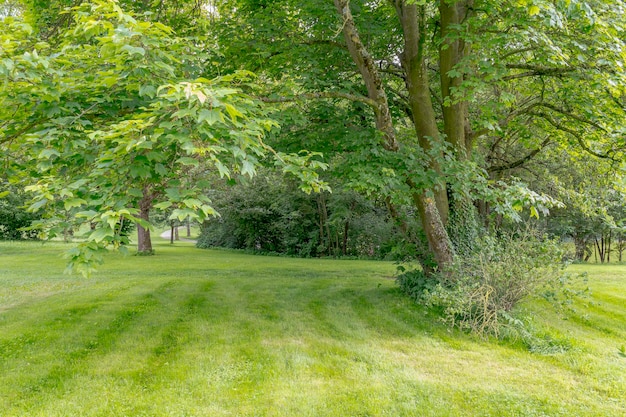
(436, 110)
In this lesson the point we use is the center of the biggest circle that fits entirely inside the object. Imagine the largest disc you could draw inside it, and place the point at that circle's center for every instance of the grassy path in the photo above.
(215, 333)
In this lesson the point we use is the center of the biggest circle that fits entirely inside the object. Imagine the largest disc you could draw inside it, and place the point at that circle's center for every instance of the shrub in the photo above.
(270, 214)
(14, 217)
(479, 291)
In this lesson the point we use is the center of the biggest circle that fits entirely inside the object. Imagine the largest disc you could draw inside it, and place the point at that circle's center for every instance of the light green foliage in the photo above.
(216, 333)
(120, 114)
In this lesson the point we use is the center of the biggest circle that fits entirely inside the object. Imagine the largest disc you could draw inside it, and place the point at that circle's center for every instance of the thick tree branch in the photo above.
(21, 131)
(370, 73)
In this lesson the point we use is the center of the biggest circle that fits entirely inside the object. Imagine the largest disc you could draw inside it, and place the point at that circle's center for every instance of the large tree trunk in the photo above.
(413, 60)
(433, 212)
(144, 243)
(453, 50)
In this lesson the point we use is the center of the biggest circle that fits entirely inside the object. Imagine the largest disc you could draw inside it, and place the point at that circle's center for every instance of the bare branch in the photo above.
(571, 115)
(517, 51)
(323, 95)
(521, 161)
(536, 70)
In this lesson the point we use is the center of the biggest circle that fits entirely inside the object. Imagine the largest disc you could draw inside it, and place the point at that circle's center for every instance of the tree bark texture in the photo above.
(452, 51)
(412, 19)
(433, 210)
(144, 243)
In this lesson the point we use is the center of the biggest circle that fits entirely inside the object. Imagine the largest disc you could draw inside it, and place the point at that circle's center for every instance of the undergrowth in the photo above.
(480, 290)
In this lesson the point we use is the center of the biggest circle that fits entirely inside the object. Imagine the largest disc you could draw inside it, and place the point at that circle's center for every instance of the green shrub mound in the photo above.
(480, 291)
(271, 215)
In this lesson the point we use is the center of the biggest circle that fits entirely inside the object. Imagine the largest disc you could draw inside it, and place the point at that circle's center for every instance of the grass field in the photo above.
(216, 333)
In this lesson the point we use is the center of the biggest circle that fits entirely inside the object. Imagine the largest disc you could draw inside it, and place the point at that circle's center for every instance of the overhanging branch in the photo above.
(573, 133)
(323, 95)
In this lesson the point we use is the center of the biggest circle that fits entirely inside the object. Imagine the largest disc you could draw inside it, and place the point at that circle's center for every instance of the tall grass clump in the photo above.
(480, 290)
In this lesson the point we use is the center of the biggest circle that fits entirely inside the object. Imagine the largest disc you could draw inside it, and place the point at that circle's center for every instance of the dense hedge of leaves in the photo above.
(14, 217)
(272, 215)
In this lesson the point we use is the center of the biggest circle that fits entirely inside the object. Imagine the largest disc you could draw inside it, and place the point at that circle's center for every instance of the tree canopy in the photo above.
(450, 108)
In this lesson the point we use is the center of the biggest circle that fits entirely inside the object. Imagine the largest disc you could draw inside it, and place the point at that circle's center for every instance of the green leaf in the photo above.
(134, 50)
(160, 169)
(48, 153)
(533, 212)
(163, 205)
(70, 203)
(147, 90)
(37, 205)
(210, 116)
(247, 168)
(87, 214)
(185, 160)
(233, 112)
(101, 234)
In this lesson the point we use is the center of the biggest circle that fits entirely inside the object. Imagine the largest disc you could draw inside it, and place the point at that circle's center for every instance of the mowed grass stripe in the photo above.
(69, 346)
(230, 334)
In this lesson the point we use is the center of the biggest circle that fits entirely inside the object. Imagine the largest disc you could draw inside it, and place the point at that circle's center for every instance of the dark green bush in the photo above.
(271, 214)
(14, 217)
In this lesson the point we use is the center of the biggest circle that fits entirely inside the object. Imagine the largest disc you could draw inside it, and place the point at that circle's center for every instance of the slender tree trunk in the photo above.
(608, 249)
(144, 243)
(580, 244)
(188, 227)
(344, 243)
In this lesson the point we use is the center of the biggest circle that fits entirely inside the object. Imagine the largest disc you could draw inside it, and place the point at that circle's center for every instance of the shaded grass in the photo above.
(216, 333)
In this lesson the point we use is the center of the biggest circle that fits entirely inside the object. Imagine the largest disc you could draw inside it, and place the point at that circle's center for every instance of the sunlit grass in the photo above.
(217, 333)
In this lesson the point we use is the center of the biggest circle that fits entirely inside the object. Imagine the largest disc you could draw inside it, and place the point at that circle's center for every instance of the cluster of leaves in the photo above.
(119, 112)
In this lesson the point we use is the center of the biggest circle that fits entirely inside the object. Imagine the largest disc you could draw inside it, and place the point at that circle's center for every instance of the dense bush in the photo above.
(14, 217)
(270, 214)
(479, 291)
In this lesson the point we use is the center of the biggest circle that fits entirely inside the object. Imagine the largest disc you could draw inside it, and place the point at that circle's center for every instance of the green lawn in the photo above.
(215, 333)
